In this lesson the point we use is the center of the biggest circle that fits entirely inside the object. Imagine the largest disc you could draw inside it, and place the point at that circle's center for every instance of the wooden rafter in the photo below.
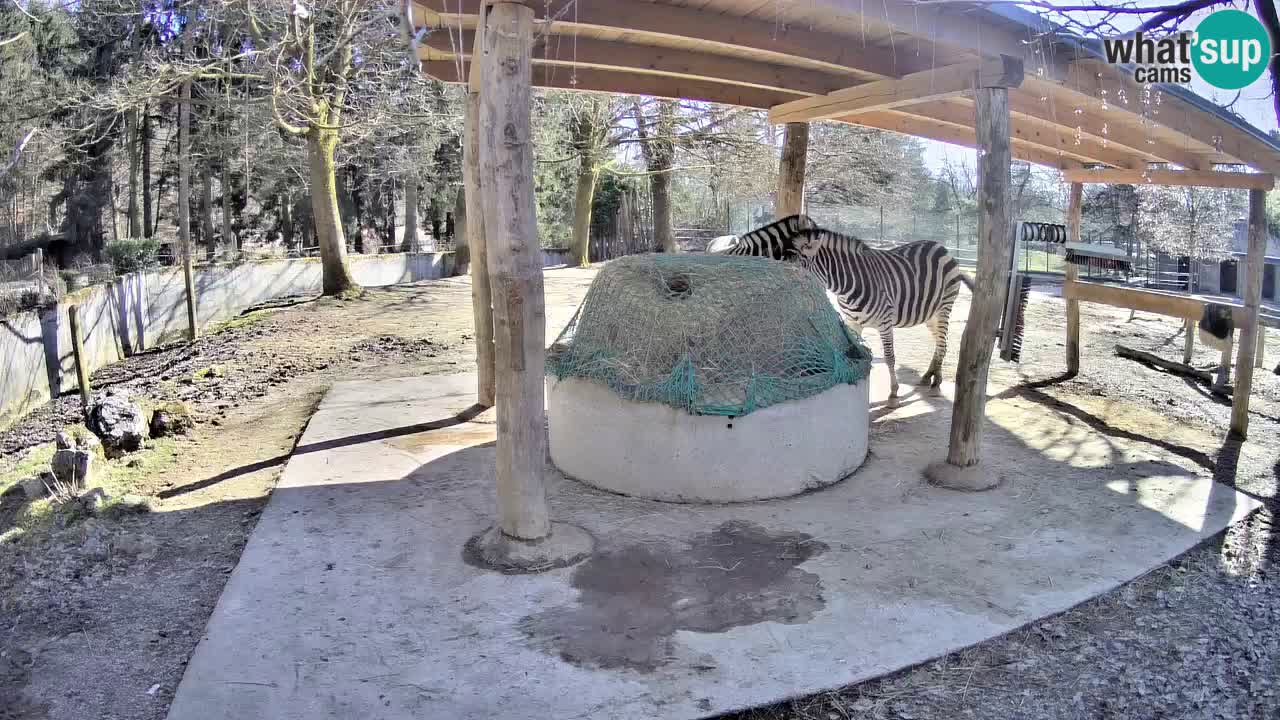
(1194, 178)
(1051, 137)
(955, 134)
(630, 83)
(910, 89)
(799, 46)
(694, 65)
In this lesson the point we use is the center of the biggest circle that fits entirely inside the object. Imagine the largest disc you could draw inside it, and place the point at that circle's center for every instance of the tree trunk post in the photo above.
(996, 241)
(410, 243)
(184, 207)
(473, 243)
(1260, 361)
(583, 197)
(134, 211)
(795, 150)
(1188, 343)
(1250, 328)
(77, 349)
(148, 223)
(228, 235)
(523, 538)
(1075, 202)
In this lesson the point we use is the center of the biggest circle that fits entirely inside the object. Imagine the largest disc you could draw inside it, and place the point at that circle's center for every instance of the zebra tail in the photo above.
(967, 282)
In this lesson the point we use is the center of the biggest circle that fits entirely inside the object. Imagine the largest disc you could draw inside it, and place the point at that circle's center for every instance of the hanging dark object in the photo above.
(1098, 257)
(1015, 320)
(1042, 232)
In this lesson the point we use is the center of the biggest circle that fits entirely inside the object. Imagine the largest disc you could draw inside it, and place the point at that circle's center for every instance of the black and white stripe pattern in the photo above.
(909, 285)
(772, 240)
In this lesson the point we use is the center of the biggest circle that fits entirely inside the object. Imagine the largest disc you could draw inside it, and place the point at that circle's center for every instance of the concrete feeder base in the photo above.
(655, 451)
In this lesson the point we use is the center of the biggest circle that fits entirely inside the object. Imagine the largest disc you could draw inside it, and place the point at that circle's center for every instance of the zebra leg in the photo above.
(938, 329)
(886, 339)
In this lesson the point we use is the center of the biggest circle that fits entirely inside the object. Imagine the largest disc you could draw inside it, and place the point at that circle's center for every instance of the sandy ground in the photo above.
(86, 637)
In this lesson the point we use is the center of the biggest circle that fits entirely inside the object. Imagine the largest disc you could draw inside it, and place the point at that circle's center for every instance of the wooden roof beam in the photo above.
(949, 81)
(957, 25)
(602, 54)
(1087, 81)
(1050, 136)
(797, 45)
(1099, 129)
(1194, 178)
(628, 83)
(956, 135)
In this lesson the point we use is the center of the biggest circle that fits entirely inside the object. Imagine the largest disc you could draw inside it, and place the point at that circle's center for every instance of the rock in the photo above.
(93, 501)
(173, 418)
(36, 487)
(76, 459)
(96, 540)
(119, 422)
(136, 544)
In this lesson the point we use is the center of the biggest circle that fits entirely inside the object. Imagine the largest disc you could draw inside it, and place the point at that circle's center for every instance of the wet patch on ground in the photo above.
(633, 599)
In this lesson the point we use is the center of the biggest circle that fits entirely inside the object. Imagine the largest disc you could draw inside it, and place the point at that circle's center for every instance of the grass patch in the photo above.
(207, 373)
(34, 462)
(241, 321)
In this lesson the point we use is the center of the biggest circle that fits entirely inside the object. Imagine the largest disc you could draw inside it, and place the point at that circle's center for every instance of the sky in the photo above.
(1254, 104)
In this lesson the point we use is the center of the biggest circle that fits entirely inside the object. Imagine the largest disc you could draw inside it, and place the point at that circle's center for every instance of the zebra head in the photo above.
(806, 244)
(773, 240)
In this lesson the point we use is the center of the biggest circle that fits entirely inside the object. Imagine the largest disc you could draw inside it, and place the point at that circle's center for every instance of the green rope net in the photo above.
(708, 334)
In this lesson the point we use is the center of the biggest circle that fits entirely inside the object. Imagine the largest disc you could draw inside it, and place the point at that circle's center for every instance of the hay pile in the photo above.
(711, 335)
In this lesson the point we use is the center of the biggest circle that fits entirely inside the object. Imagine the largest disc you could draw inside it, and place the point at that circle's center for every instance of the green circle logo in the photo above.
(1231, 49)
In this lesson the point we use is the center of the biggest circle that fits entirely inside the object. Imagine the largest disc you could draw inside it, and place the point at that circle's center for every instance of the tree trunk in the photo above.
(411, 216)
(228, 237)
(148, 219)
(286, 222)
(795, 148)
(134, 211)
(184, 206)
(321, 144)
(206, 211)
(664, 235)
(588, 173)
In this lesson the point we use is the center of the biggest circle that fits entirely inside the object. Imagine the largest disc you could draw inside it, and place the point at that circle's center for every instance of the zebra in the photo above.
(771, 240)
(886, 289)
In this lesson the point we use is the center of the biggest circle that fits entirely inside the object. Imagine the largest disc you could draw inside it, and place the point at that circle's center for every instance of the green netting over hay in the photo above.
(711, 335)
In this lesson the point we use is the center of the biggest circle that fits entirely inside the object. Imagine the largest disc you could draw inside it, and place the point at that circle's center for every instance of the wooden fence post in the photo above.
(77, 350)
(795, 149)
(1188, 343)
(996, 241)
(1072, 273)
(1250, 328)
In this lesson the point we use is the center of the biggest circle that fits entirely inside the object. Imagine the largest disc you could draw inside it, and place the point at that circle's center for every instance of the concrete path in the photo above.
(353, 599)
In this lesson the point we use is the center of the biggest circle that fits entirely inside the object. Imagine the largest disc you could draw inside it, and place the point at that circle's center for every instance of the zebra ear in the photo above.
(806, 243)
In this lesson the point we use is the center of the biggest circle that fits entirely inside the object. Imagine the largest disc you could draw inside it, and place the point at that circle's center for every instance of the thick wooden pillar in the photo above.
(1250, 328)
(515, 268)
(477, 250)
(1189, 342)
(795, 151)
(1074, 204)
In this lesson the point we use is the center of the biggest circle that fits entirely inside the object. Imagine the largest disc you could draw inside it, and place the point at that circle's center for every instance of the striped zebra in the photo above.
(886, 289)
(770, 240)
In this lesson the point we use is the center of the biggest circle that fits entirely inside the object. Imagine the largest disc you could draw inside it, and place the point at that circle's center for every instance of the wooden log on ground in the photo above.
(1249, 328)
(515, 269)
(1176, 368)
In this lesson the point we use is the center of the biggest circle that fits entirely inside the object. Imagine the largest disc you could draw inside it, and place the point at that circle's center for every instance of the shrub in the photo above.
(128, 256)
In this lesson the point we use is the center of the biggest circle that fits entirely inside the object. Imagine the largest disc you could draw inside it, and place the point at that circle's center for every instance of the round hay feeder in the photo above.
(707, 379)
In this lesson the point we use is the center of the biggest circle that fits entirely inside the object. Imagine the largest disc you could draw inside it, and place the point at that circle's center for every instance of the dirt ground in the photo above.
(97, 618)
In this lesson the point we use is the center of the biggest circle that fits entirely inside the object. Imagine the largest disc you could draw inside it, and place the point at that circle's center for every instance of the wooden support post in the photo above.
(1249, 328)
(515, 268)
(795, 150)
(995, 245)
(77, 349)
(184, 207)
(1188, 343)
(1259, 361)
(477, 250)
(1074, 203)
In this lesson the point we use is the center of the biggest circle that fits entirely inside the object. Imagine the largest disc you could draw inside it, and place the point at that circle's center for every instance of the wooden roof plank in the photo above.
(890, 93)
(591, 53)
(629, 83)
(956, 135)
(1196, 178)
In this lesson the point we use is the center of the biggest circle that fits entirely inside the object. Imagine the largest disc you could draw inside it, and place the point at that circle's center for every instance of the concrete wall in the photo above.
(139, 311)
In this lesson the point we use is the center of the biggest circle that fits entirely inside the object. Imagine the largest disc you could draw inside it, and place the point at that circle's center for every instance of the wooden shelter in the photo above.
(992, 77)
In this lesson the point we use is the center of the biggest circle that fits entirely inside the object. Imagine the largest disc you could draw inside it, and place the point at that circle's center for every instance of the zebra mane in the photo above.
(773, 240)
(831, 238)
